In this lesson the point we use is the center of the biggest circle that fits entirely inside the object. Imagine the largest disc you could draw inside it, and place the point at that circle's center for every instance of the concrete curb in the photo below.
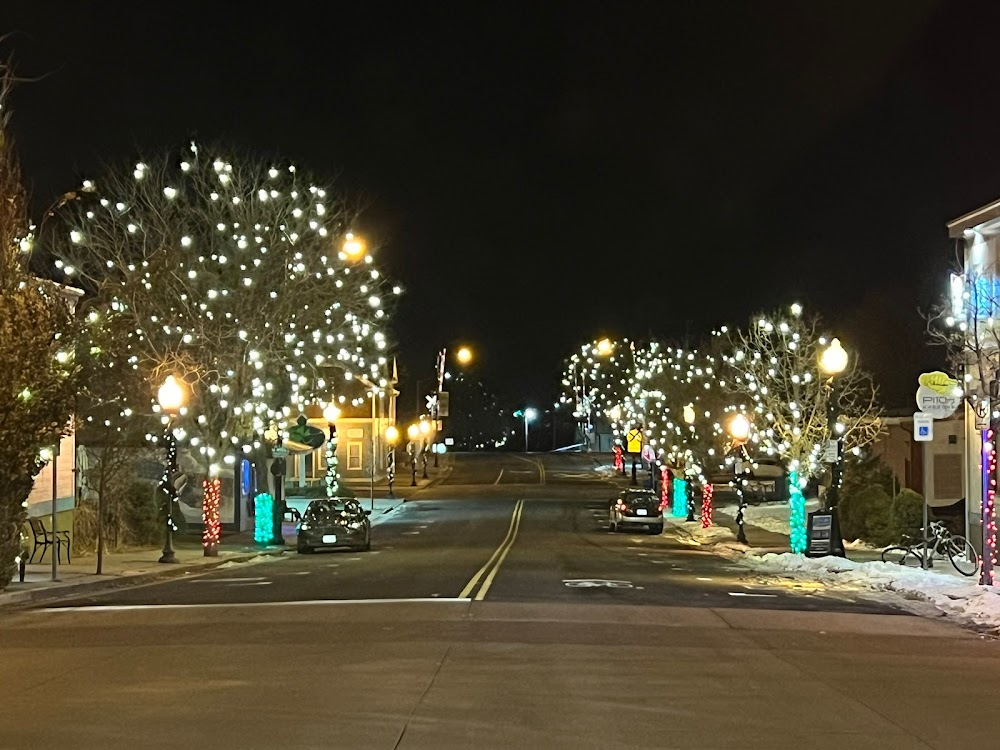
(14, 599)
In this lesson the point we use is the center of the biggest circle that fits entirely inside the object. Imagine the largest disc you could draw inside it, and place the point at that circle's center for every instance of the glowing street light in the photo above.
(354, 247)
(529, 416)
(605, 347)
(739, 428)
(833, 360)
(464, 355)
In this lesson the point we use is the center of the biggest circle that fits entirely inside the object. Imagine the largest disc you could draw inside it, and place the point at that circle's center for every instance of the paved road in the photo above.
(495, 609)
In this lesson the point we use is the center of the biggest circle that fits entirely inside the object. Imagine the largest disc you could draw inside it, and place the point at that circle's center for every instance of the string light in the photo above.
(263, 505)
(989, 510)
(680, 498)
(796, 514)
(211, 496)
(706, 505)
(332, 478)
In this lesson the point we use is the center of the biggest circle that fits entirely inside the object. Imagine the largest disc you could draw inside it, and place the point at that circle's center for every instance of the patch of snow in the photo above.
(692, 534)
(252, 561)
(958, 596)
(767, 516)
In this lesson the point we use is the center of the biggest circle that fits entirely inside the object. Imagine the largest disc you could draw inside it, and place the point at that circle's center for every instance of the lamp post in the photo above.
(529, 415)
(171, 397)
(331, 414)
(412, 432)
(425, 430)
(689, 417)
(391, 436)
(833, 361)
(739, 431)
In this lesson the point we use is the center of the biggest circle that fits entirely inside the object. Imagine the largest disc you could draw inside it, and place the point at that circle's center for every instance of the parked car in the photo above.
(636, 507)
(334, 523)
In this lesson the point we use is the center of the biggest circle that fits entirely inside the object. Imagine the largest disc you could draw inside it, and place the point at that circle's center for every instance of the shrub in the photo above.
(864, 514)
(906, 515)
(141, 514)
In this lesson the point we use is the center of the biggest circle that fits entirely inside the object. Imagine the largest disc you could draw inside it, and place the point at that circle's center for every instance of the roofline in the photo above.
(983, 214)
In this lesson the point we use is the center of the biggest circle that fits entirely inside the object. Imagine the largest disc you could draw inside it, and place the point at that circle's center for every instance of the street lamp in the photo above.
(171, 397)
(413, 432)
(331, 414)
(354, 247)
(605, 347)
(464, 355)
(529, 416)
(391, 436)
(689, 417)
(425, 430)
(739, 431)
(833, 361)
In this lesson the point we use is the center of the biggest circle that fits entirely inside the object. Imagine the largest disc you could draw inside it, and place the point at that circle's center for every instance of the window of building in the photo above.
(354, 456)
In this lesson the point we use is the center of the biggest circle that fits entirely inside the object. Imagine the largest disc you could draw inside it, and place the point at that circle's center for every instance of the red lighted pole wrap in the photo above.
(706, 505)
(665, 485)
(211, 494)
(989, 508)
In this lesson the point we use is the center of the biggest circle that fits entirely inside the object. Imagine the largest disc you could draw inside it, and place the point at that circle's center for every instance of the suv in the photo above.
(636, 507)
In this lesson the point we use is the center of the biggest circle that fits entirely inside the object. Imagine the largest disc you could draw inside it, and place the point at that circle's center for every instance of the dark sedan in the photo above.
(334, 523)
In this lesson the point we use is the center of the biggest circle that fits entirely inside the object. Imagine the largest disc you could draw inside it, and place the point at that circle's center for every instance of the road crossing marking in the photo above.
(741, 593)
(496, 559)
(249, 605)
(498, 477)
(537, 463)
(227, 580)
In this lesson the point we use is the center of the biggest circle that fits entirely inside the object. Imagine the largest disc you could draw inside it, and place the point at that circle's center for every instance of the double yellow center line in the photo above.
(496, 560)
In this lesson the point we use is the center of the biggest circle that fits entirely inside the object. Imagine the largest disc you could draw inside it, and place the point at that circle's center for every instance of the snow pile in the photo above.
(768, 516)
(606, 471)
(692, 534)
(957, 595)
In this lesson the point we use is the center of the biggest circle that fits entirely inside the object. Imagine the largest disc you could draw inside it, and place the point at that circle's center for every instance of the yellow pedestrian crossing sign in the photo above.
(634, 441)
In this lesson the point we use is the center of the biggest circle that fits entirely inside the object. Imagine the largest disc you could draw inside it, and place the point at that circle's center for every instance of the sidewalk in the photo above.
(764, 540)
(141, 566)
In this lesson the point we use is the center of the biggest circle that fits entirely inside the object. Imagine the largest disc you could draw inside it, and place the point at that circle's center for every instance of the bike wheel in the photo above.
(963, 555)
(901, 556)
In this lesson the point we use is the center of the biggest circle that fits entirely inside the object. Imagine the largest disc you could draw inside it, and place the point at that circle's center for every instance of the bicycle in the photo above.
(942, 543)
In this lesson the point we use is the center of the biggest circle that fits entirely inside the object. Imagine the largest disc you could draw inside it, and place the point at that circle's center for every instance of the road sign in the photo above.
(983, 414)
(280, 452)
(923, 427)
(634, 441)
(938, 395)
(831, 451)
(442, 406)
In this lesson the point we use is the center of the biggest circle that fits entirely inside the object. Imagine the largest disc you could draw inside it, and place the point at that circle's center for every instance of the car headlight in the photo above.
(303, 527)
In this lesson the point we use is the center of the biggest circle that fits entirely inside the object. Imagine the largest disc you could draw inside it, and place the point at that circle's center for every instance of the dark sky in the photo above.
(544, 173)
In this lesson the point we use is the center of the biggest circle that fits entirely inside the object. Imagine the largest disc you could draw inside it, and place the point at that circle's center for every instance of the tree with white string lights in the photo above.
(776, 366)
(237, 274)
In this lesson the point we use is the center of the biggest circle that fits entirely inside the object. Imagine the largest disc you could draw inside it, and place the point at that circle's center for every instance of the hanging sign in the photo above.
(939, 395)
(982, 410)
(634, 441)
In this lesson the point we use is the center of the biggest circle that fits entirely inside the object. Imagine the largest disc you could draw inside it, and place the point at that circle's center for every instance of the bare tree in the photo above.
(775, 365)
(37, 364)
(241, 276)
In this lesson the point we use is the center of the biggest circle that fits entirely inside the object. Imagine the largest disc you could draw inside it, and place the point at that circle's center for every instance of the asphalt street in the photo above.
(494, 610)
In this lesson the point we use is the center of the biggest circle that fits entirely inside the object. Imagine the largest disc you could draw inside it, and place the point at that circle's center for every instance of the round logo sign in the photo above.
(939, 395)
(647, 452)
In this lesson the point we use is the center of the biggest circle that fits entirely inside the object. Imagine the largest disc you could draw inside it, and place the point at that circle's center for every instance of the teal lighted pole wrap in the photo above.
(263, 531)
(796, 514)
(680, 499)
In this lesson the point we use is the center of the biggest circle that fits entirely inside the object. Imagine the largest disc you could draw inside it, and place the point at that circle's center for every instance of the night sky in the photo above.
(540, 174)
